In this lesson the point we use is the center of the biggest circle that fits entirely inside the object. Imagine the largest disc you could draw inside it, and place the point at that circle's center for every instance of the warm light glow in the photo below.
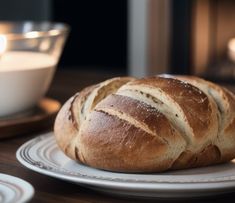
(231, 49)
(33, 34)
(231, 45)
(3, 44)
(45, 44)
(54, 32)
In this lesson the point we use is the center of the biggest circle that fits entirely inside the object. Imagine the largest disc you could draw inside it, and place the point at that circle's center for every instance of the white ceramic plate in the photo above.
(13, 189)
(42, 155)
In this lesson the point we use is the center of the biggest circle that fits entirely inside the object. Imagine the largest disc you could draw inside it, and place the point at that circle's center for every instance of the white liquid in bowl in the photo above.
(24, 79)
(19, 60)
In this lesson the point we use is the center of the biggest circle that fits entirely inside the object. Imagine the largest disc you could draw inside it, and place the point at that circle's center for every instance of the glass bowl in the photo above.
(29, 54)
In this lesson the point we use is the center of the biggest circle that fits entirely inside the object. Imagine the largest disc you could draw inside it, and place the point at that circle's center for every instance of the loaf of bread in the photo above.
(148, 125)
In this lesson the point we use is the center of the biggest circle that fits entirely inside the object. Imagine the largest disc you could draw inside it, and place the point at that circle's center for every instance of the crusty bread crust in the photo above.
(148, 125)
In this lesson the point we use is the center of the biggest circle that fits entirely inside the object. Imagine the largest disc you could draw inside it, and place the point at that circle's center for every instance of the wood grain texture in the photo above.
(41, 117)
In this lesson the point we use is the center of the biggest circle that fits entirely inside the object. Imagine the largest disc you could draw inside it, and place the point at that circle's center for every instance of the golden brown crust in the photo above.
(225, 102)
(195, 113)
(66, 128)
(70, 117)
(106, 144)
(208, 156)
(150, 119)
(67, 122)
(193, 102)
(149, 125)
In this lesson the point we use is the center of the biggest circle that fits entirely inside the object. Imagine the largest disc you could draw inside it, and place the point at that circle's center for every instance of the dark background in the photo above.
(99, 31)
(98, 35)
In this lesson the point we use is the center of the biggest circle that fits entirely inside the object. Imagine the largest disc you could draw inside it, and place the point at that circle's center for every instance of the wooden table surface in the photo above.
(48, 189)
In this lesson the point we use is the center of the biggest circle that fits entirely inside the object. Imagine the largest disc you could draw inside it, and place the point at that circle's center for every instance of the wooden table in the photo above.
(48, 189)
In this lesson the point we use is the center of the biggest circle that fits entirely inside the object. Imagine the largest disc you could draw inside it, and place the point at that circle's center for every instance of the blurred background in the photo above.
(140, 37)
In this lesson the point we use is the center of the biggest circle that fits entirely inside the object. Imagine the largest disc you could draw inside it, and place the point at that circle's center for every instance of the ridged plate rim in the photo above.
(21, 191)
(164, 184)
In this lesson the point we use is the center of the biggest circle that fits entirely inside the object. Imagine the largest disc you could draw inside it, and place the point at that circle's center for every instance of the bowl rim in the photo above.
(57, 28)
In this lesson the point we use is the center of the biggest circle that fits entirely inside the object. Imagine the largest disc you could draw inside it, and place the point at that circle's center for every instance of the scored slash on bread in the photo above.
(148, 125)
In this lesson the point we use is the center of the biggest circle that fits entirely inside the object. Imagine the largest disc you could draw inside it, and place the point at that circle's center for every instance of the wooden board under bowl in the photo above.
(39, 118)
